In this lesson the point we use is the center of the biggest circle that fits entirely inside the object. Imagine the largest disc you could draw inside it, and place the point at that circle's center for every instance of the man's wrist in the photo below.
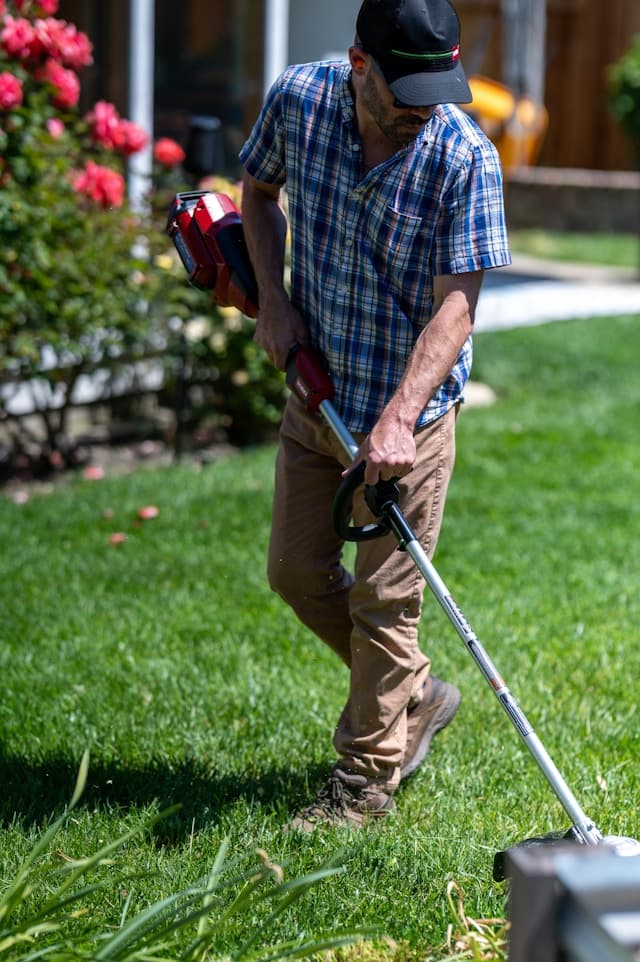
(273, 295)
(402, 415)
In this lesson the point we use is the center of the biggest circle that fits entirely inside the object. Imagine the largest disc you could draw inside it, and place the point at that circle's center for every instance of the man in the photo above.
(395, 209)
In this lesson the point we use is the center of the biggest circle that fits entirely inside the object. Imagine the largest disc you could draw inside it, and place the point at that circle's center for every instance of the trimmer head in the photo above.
(551, 838)
(622, 845)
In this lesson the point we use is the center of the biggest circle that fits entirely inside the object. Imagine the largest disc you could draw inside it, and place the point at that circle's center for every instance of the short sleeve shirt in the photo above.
(365, 246)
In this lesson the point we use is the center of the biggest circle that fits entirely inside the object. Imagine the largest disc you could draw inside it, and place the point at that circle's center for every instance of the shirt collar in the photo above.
(347, 105)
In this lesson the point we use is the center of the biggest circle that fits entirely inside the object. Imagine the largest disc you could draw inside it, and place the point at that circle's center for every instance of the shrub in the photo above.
(73, 281)
(85, 280)
(67, 271)
(624, 94)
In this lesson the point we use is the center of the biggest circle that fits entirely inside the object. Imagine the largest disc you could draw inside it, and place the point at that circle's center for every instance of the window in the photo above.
(208, 62)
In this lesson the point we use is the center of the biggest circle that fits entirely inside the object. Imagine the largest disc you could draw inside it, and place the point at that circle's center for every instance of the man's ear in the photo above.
(357, 59)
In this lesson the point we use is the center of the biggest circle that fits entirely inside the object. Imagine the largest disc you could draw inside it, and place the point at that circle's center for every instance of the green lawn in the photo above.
(191, 683)
(613, 250)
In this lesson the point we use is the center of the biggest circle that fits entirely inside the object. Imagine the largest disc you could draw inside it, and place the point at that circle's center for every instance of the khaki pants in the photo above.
(370, 618)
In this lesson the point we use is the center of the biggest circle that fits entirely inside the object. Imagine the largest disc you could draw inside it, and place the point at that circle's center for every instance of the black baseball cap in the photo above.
(416, 44)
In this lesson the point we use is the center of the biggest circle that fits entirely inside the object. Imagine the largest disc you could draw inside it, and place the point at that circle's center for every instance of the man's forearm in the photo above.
(279, 325)
(431, 361)
(265, 229)
(390, 450)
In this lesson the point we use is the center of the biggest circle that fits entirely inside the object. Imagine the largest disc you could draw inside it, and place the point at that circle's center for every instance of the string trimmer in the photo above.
(197, 223)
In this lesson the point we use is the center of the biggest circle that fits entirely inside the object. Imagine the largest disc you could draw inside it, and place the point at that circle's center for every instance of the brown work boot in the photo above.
(348, 800)
(436, 709)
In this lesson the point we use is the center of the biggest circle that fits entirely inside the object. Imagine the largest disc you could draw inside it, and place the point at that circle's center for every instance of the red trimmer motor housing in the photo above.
(206, 229)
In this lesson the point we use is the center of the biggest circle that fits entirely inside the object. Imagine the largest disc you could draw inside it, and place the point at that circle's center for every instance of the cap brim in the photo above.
(428, 88)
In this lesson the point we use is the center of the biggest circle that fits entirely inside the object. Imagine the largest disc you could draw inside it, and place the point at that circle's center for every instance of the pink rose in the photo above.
(129, 138)
(101, 184)
(10, 91)
(65, 83)
(167, 152)
(18, 38)
(63, 42)
(103, 122)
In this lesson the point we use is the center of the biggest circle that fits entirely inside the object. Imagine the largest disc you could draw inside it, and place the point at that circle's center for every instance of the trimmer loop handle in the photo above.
(308, 378)
(382, 498)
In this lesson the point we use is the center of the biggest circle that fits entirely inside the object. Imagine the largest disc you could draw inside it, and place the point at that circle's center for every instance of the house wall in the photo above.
(321, 31)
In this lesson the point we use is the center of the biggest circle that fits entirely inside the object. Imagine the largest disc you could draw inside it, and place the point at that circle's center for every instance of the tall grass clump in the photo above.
(43, 912)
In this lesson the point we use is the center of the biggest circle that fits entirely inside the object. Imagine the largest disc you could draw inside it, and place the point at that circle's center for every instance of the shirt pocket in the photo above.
(392, 243)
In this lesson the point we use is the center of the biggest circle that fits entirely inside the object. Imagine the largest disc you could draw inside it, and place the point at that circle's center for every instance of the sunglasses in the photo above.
(398, 104)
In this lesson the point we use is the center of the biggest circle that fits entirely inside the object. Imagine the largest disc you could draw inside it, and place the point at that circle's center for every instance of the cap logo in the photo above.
(446, 55)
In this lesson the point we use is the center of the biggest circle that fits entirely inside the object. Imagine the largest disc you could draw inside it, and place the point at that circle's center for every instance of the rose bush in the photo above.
(85, 281)
(72, 292)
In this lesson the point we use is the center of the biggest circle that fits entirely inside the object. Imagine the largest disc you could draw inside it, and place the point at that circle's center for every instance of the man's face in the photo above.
(398, 122)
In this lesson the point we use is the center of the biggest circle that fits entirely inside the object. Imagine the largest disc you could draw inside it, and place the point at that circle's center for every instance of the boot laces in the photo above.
(333, 797)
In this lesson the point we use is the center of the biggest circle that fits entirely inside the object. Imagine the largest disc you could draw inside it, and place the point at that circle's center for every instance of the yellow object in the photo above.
(516, 126)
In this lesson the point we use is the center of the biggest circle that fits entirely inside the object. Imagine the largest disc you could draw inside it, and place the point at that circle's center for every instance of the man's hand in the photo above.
(278, 327)
(389, 452)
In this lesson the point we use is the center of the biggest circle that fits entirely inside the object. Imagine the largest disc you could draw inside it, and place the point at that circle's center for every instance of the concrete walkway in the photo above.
(534, 291)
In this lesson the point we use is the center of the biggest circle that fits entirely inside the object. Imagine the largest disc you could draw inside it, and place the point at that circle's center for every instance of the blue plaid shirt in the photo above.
(365, 246)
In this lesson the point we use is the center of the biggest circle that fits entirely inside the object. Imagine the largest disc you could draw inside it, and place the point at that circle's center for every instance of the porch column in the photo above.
(276, 52)
(141, 61)
(524, 62)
